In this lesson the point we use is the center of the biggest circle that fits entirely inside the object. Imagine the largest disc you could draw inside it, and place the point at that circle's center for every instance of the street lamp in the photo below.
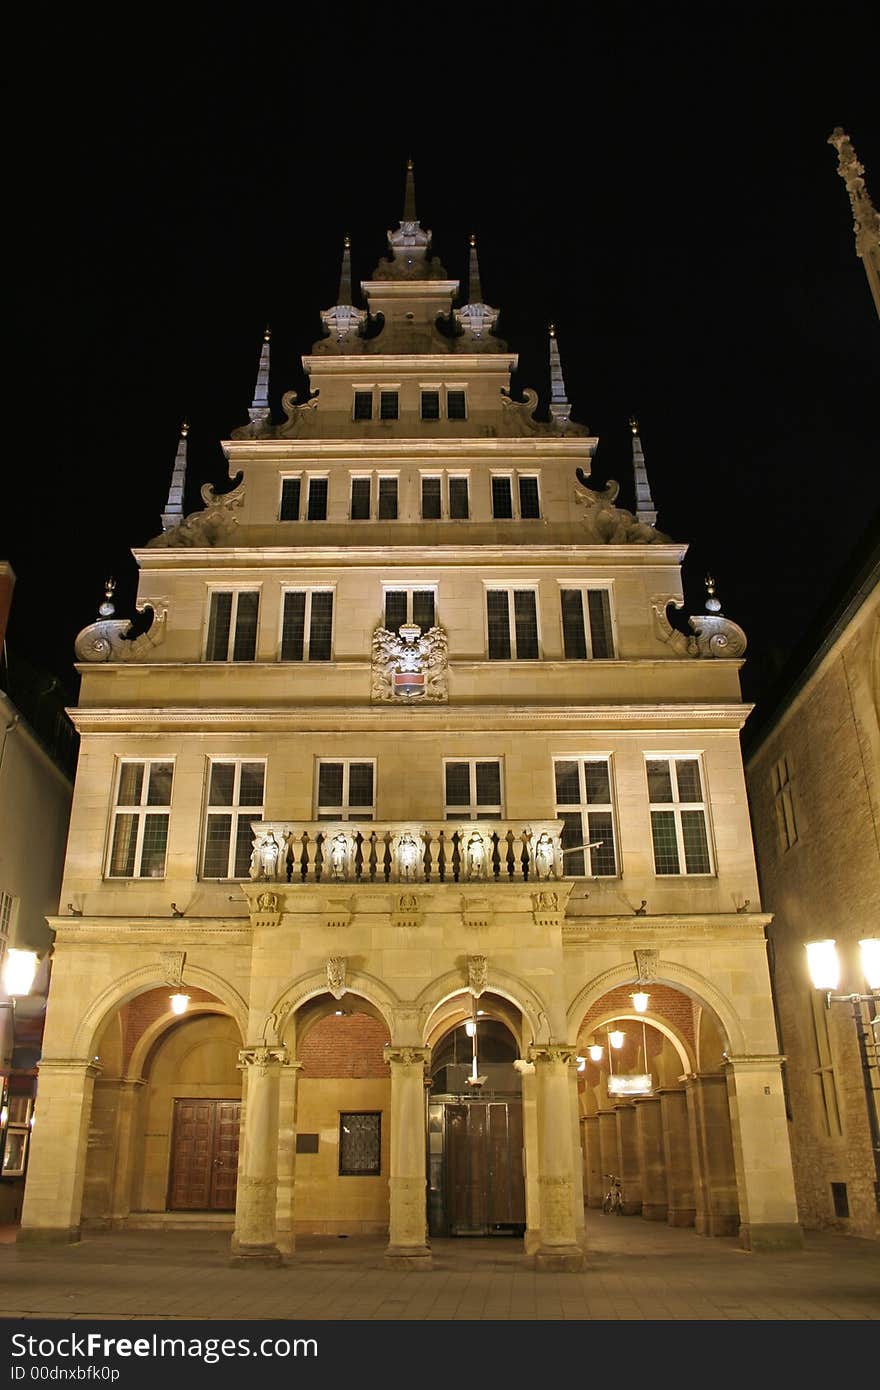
(19, 972)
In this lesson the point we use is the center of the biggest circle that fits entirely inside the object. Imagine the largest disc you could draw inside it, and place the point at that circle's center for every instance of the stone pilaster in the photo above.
(680, 1199)
(284, 1210)
(558, 1248)
(129, 1090)
(408, 1234)
(717, 1210)
(56, 1169)
(592, 1160)
(629, 1172)
(255, 1240)
(578, 1155)
(759, 1129)
(652, 1164)
(609, 1147)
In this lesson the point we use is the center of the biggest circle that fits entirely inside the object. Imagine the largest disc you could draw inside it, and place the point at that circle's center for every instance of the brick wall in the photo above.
(137, 1015)
(347, 1046)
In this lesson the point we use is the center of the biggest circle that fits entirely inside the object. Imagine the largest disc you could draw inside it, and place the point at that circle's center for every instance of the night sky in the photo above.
(655, 179)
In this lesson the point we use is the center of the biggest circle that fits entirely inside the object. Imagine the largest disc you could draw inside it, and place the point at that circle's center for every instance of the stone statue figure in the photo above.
(544, 856)
(408, 856)
(339, 855)
(475, 856)
(266, 858)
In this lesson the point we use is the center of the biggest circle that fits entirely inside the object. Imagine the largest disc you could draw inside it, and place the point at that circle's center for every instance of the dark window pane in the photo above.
(696, 846)
(489, 784)
(218, 831)
(387, 499)
(602, 859)
(456, 405)
(250, 787)
(499, 624)
(293, 627)
(153, 847)
(568, 791)
(317, 499)
(244, 845)
(321, 626)
(598, 783)
(363, 405)
(290, 493)
(330, 784)
(659, 781)
(388, 405)
(131, 782)
(688, 775)
(360, 1146)
(360, 784)
(430, 405)
(573, 635)
(529, 506)
(458, 499)
(665, 847)
(458, 784)
(222, 784)
(395, 608)
(601, 636)
(244, 647)
(159, 789)
(360, 499)
(218, 627)
(502, 499)
(124, 845)
(423, 608)
(526, 621)
(430, 499)
(572, 836)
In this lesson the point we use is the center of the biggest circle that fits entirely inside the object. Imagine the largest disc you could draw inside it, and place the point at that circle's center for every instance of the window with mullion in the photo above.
(585, 806)
(234, 799)
(232, 625)
(431, 499)
(512, 621)
(679, 827)
(346, 789)
(307, 625)
(139, 837)
(586, 630)
(291, 497)
(472, 788)
(410, 606)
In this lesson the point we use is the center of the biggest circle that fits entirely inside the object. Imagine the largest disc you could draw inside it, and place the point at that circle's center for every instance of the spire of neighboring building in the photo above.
(866, 219)
(409, 198)
(173, 513)
(560, 406)
(645, 509)
(476, 319)
(342, 322)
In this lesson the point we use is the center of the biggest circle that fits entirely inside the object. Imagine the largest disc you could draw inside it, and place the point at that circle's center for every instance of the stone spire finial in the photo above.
(259, 408)
(345, 296)
(645, 509)
(866, 219)
(713, 603)
(476, 320)
(560, 406)
(410, 244)
(409, 199)
(173, 513)
(342, 322)
(475, 289)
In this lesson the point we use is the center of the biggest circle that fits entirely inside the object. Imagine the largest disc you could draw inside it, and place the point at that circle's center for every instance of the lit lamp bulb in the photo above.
(19, 970)
(870, 949)
(581, 1063)
(596, 1051)
(823, 964)
(471, 1028)
(616, 1037)
(179, 1003)
(640, 1001)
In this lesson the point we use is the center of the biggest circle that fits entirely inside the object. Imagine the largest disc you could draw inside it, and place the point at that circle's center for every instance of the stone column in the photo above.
(593, 1164)
(558, 1248)
(255, 1237)
(532, 1238)
(408, 1231)
(128, 1100)
(609, 1148)
(578, 1155)
(764, 1179)
(629, 1173)
(652, 1164)
(709, 1116)
(56, 1168)
(284, 1210)
(681, 1203)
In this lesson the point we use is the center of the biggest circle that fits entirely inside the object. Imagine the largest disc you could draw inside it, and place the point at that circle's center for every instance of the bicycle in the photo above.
(613, 1200)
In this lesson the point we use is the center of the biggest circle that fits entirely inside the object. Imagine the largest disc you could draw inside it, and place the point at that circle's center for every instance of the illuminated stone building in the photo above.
(409, 787)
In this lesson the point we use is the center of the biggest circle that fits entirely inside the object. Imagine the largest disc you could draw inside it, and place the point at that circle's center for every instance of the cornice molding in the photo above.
(719, 925)
(369, 364)
(549, 556)
(461, 447)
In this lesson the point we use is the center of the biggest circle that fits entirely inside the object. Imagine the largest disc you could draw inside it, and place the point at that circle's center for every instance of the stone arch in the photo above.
(307, 987)
(530, 1004)
(668, 972)
(139, 981)
(154, 1031)
(669, 1031)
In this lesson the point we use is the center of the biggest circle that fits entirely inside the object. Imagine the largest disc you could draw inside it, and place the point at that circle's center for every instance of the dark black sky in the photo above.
(656, 179)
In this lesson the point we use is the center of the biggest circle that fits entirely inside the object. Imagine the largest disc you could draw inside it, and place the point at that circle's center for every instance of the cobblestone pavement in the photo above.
(635, 1270)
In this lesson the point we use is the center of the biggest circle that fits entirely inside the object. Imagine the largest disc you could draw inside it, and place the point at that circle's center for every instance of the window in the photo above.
(431, 499)
(291, 490)
(142, 806)
(363, 405)
(232, 625)
(317, 508)
(360, 499)
(512, 624)
(456, 405)
(472, 789)
(502, 499)
(235, 798)
(584, 805)
(529, 503)
(678, 816)
(360, 1144)
(430, 405)
(785, 819)
(443, 497)
(586, 624)
(388, 405)
(307, 625)
(458, 499)
(824, 1078)
(840, 1200)
(387, 499)
(346, 790)
(409, 606)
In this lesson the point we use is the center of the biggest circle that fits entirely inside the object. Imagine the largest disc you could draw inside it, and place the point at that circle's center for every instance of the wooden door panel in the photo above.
(227, 1124)
(204, 1155)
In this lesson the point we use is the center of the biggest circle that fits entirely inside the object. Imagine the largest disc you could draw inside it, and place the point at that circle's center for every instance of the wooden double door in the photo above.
(485, 1185)
(204, 1155)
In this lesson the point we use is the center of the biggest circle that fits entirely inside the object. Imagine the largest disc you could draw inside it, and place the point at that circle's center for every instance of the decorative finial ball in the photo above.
(409, 166)
(346, 242)
(713, 604)
(553, 330)
(634, 424)
(267, 334)
(472, 239)
(184, 429)
(107, 608)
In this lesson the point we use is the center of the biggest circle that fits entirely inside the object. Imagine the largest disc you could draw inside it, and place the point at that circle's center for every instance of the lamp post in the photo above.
(824, 966)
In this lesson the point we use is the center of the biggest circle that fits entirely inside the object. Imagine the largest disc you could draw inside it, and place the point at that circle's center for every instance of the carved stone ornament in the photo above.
(715, 636)
(553, 1052)
(269, 855)
(476, 852)
(477, 912)
(267, 902)
(866, 220)
(343, 323)
(300, 418)
(546, 855)
(274, 1025)
(518, 418)
(407, 911)
(107, 639)
(337, 914)
(172, 967)
(646, 965)
(261, 1058)
(477, 322)
(336, 976)
(407, 856)
(410, 666)
(214, 525)
(545, 908)
(478, 974)
(406, 1056)
(606, 524)
(339, 849)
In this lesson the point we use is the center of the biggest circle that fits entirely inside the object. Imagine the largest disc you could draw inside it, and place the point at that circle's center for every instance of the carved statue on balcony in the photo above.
(338, 852)
(269, 856)
(408, 854)
(545, 856)
(475, 856)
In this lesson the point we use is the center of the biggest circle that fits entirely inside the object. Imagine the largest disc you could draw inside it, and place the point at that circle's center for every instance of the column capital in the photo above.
(566, 1053)
(406, 1056)
(69, 1066)
(262, 1058)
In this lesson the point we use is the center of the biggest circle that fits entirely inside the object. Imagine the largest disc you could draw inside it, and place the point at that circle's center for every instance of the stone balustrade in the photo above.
(405, 852)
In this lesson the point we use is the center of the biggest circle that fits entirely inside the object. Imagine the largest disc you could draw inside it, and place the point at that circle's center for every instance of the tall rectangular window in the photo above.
(512, 624)
(584, 805)
(360, 498)
(360, 1144)
(232, 625)
(388, 405)
(458, 499)
(387, 499)
(363, 405)
(782, 799)
(291, 490)
(317, 507)
(346, 790)
(307, 625)
(678, 816)
(472, 788)
(235, 798)
(456, 405)
(586, 623)
(502, 499)
(139, 835)
(431, 499)
(529, 501)
(824, 1077)
(430, 405)
(409, 606)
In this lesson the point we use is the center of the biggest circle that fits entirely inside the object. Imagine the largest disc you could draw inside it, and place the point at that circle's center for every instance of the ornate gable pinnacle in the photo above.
(645, 509)
(259, 414)
(342, 322)
(476, 320)
(173, 513)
